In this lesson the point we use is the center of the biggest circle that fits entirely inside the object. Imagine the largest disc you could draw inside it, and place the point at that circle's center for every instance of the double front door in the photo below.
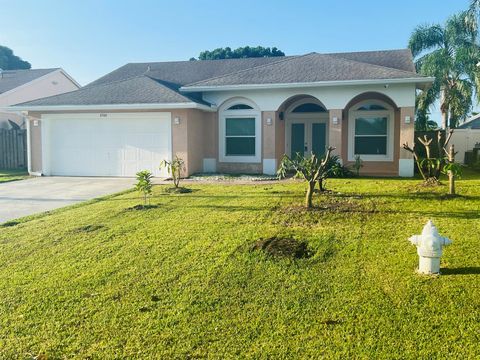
(307, 136)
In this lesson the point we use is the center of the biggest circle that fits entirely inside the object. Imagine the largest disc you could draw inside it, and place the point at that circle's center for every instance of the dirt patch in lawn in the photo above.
(179, 190)
(88, 228)
(297, 214)
(140, 207)
(283, 247)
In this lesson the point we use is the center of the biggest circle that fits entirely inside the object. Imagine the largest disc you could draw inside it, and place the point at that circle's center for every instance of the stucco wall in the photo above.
(36, 145)
(269, 134)
(335, 131)
(196, 140)
(332, 97)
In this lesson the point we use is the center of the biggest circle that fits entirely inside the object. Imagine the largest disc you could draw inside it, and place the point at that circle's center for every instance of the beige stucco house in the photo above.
(237, 115)
(19, 86)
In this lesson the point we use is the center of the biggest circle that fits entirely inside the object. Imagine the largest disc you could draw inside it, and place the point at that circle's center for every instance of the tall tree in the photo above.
(9, 61)
(450, 54)
(241, 52)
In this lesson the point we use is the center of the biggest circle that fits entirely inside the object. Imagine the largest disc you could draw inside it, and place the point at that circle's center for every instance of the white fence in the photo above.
(464, 140)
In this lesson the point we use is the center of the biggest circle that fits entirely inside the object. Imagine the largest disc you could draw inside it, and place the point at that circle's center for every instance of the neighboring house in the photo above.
(234, 116)
(466, 137)
(18, 86)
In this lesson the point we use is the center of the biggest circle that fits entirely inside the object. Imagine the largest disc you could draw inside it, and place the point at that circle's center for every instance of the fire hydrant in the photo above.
(429, 248)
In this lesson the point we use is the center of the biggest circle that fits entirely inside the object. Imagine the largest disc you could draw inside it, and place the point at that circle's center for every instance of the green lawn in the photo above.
(179, 281)
(12, 175)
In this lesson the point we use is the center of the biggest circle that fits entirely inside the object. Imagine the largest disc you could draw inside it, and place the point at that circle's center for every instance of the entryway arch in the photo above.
(306, 126)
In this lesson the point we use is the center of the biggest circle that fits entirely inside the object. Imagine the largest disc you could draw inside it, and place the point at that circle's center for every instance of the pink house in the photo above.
(236, 115)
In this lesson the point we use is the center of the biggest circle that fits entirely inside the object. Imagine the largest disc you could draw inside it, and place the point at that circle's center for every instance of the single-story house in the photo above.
(232, 116)
(19, 86)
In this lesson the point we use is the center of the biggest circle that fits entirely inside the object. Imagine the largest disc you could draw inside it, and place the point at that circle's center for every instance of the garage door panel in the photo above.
(102, 146)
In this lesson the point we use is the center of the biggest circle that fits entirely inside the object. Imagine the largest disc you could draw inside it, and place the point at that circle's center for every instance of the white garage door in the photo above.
(105, 144)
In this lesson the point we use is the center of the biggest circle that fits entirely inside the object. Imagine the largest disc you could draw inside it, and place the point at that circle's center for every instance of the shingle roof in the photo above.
(400, 59)
(471, 123)
(10, 79)
(161, 82)
(137, 90)
(183, 72)
(306, 69)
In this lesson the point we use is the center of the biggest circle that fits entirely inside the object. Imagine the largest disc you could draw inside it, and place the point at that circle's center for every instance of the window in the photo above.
(240, 136)
(308, 108)
(240, 132)
(240, 107)
(370, 106)
(371, 136)
(370, 128)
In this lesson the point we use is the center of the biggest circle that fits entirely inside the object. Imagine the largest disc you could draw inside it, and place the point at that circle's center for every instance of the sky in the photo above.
(89, 38)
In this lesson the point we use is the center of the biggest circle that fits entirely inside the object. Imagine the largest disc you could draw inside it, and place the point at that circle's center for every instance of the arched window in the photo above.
(309, 108)
(239, 131)
(240, 107)
(371, 107)
(371, 124)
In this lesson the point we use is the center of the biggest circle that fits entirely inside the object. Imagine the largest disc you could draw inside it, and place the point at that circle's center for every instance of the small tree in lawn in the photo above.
(174, 168)
(431, 167)
(312, 169)
(144, 185)
(358, 164)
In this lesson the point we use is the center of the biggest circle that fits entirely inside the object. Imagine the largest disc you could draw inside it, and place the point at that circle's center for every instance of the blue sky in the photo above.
(90, 38)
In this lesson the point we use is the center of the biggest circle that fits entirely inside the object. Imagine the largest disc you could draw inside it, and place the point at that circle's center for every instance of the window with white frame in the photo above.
(371, 135)
(371, 131)
(240, 136)
(240, 133)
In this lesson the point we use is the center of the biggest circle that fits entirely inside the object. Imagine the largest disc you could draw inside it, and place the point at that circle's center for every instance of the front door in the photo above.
(307, 136)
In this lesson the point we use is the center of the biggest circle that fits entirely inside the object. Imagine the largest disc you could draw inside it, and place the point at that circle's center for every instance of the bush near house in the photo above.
(181, 280)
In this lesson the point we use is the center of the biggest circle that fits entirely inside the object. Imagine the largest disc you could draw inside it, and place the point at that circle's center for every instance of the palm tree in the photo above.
(450, 54)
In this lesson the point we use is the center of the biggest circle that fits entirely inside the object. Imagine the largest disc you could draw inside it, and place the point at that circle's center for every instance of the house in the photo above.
(465, 138)
(18, 86)
(233, 116)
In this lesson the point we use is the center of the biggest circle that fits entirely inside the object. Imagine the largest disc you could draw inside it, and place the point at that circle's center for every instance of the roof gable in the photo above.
(11, 79)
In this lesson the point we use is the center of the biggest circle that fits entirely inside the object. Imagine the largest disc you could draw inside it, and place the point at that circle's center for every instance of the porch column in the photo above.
(335, 131)
(407, 134)
(269, 137)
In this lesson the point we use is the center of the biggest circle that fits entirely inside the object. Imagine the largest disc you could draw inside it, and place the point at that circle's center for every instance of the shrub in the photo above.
(174, 168)
(144, 184)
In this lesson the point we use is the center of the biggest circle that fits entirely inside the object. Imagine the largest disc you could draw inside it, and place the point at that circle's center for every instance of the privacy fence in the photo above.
(13, 149)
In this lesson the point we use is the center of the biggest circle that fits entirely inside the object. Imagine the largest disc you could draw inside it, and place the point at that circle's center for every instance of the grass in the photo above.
(12, 175)
(179, 280)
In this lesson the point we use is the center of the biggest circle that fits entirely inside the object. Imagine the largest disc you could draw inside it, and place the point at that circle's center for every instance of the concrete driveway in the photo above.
(36, 195)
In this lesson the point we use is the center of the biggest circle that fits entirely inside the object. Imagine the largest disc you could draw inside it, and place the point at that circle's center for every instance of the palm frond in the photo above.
(426, 37)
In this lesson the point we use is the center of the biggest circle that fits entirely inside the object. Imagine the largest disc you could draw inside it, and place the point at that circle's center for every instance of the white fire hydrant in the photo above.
(429, 248)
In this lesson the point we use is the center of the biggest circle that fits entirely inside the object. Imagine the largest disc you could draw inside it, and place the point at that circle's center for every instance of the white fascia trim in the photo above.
(70, 78)
(426, 80)
(185, 105)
